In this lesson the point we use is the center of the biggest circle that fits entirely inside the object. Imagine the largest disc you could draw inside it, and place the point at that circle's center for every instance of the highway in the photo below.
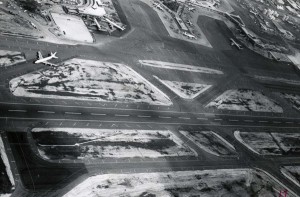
(147, 40)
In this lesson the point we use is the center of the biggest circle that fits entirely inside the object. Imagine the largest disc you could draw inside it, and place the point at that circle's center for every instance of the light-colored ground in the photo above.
(294, 99)
(104, 143)
(245, 100)
(277, 79)
(89, 80)
(292, 173)
(270, 143)
(9, 58)
(185, 90)
(72, 27)
(259, 143)
(6, 162)
(211, 142)
(183, 67)
(209, 183)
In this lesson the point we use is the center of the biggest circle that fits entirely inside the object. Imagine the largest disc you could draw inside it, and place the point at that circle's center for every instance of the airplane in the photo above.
(114, 24)
(157, 5)
(190, 36)
(189, 23)
(43, 60)
(192, 9)
(233, 42)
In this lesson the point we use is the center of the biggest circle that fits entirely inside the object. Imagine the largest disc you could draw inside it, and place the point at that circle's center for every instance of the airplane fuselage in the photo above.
(43, 60)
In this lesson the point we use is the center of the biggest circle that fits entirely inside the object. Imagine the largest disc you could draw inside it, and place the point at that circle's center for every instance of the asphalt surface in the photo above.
(147, 39)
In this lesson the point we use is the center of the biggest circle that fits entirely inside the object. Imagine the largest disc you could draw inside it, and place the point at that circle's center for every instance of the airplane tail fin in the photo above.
(54, 55)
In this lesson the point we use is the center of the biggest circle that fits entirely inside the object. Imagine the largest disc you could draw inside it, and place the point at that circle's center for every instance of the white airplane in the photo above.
(192, 9)
(190, 23)
(43, 60)
(157, 5)
(233, 42)
(114, 24)
(190, 36)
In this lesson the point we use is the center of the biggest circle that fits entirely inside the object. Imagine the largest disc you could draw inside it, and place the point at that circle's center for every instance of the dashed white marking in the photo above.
(17, 110)
(94, 114)
(185, 118)
(73, 113)
(276, 122)
(122, 115)
(233, 120)
(248, 121)
(218, 119)
(202, 118)
(289, 122)
(46, 112)
(263, 121)
(140, 116)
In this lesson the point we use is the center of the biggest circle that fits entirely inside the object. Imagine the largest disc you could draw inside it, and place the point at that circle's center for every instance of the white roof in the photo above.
(99, 11)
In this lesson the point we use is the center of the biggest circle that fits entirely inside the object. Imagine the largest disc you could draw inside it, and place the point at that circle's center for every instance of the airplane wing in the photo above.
(40, 55)
(50, 64)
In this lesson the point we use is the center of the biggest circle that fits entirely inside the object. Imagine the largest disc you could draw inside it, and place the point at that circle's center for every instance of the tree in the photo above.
(30, 5)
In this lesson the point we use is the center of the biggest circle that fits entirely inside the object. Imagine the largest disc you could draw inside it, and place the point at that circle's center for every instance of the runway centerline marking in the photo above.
(141, 116)
(95, 114)
(184, 118)
(46, 112)
(122, 115)
(73, 113)
(17, 110)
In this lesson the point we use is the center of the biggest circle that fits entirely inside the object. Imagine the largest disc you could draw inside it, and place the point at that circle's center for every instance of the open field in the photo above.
(210, 183)
(183, 67)
(185, 90)
(9, 58)
(211, 142)
(7, 182)
(89, 80)
(245, 100)
(72, 27)
(292, 173)
(64, 143)
(265, 143)
(294, 99)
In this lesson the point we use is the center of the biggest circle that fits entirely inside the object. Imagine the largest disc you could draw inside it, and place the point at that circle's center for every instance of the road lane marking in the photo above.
(276, 122)
(248, 121)
(17, 110)
(95, 114)
(202, 118)
(184, 118)
(233, 120)
(122, 115)
(218, 119)
(73, 113)
(289, 122)
(46, 112)
(140, 116)
(263, 121)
